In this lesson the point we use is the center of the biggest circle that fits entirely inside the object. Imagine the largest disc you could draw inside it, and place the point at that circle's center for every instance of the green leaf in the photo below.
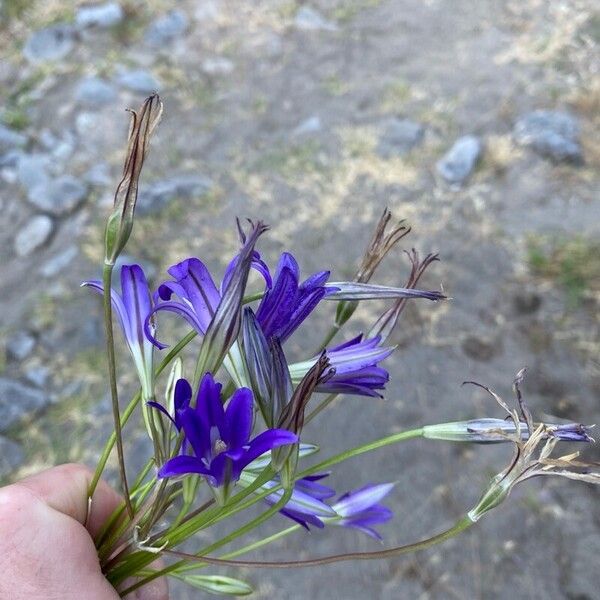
(217, 584)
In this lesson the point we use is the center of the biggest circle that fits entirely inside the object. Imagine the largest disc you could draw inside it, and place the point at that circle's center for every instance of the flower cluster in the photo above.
(232, 430)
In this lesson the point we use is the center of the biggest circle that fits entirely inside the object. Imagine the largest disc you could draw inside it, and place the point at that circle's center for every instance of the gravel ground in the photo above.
(478, 122)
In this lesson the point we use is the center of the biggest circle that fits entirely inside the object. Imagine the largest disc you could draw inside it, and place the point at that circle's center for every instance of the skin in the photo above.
(46, 551)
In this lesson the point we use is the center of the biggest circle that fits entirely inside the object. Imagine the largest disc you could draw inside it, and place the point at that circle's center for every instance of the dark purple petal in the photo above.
(210, 408)
(196, 432)
(162, 409)
(182, 395)
(267, 440)
(276, 305)
(182, 465)
(239, 415)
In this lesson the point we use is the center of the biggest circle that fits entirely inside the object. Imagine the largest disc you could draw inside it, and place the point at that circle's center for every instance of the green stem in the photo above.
(139, 560)
(130, 408)
(216, 545)
(112, 375)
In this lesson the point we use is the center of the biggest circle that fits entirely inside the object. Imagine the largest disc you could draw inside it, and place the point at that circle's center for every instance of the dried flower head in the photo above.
(532, 456)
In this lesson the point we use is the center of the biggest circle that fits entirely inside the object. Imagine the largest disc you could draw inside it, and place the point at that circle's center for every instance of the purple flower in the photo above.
(360, 509)
(134, 307)
(220, 438)
(198, 294)
(288, 303)
(306, 505)
(181, 400)
(356, 368)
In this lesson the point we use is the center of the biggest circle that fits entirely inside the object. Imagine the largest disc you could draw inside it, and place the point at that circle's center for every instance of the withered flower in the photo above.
(532, 456)
(120, 222)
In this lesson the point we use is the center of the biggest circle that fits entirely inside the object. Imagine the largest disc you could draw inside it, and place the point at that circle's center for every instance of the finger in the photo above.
(65, 489)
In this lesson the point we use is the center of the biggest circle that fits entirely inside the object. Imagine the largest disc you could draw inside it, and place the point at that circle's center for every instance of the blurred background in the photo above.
(477, 121)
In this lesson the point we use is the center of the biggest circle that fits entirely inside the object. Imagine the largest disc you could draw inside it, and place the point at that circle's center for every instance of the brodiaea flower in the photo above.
(288, 303)
(220, 438)
(198, 294)
(133, 308)
(360, 509)
(356, 368)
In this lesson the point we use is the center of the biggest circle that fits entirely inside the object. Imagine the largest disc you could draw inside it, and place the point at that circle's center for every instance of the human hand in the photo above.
(46, 551)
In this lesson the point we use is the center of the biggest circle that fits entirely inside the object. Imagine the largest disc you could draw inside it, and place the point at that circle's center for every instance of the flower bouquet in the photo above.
(228, 432)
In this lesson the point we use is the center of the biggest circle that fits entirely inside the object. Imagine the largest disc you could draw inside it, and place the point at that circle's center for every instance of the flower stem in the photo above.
(320, 407)
(174, 352)
(112, 375)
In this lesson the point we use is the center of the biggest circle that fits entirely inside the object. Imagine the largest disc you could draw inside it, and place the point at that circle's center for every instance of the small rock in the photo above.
(527, 302)
(138, 80)
(553, 134)
(308, 126)
(11, 159)
(32, 170)
(38, 376)
(152, 199)
(458, 163)
(98, 175)
(20, 345)
(10, 139)
(34, 234)
(166, 29)
(218, 65)
(94, 92)
(399, 136)
(480, 348)
(59, 196)
(309, 19)
(50, 44)
(59, 262)
(18, 401)
(101, 15)
(11, 456)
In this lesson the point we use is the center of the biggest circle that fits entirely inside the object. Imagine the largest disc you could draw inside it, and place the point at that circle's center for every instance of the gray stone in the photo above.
(94, 92)
(59, 262)
(20, 345)
(11, 159)
(98, 175)
(308, 126)
(154, 198)
(59, 196)
(309, 19)
(582, 560)
(11, 456)
(37, 376)
(101, 15)
(480, 348)
(458, 163)
(11, 139)
(138, 80)
(553, 134)
(33, 235)
(399, 136)
(166, 29)
(32, 170)
(50, 44)
(18, 401)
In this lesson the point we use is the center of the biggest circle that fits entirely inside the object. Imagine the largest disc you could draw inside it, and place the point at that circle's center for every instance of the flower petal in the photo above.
(359, 500)
(239, 417)
(182, 465)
